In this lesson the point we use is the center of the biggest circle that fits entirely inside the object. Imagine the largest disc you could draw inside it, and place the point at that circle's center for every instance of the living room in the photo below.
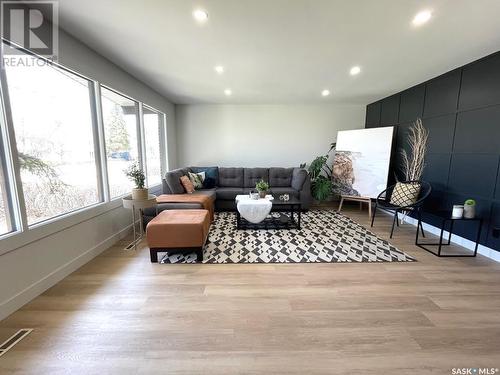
(346, 155)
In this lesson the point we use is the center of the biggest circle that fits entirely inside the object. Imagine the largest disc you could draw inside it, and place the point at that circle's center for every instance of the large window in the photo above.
(153, 121)
(52, 117)
(120, 132)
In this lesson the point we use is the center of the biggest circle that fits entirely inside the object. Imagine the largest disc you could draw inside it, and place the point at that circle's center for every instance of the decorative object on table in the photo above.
(458, 211)
(321, 176)
(252, 210)
(268, 213)
(253, 195)
(284, 197)
(138, 205)
(384, 201)
(447, 217)
(197, 179)
(340, 240)
(470, 209)
(136, 175)
(187, 184)
(262, 187)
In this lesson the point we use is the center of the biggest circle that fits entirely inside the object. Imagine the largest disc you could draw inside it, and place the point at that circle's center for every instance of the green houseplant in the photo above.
(136, 175)
(321, 176)
(262, 187)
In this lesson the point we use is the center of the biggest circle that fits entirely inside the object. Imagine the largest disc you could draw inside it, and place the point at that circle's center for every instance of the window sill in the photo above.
(15, 240)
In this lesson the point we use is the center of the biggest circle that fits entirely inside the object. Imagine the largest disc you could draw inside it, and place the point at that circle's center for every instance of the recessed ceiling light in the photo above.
(200, 15)
(355, 70)
(228, 92)
(325, 92)
(421, 17)
(219, 69)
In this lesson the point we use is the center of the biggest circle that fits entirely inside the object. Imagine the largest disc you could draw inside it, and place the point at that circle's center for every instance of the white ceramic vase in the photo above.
(139, 194)
(469, 211)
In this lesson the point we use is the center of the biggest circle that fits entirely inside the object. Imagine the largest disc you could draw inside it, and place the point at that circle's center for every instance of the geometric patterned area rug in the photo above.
(325, 237)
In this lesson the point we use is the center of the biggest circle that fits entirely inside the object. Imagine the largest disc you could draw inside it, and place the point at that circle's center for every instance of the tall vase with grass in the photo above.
(136, 175)
(414, 161)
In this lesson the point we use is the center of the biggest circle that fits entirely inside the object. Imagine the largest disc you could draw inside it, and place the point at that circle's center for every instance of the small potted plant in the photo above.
(262, 187)
(470, 209)
(136, 175)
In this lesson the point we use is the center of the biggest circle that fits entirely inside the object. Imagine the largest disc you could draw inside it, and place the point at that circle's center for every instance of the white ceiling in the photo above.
(284, 51)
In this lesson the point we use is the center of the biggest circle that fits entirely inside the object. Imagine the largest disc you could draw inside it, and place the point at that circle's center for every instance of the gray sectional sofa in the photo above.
(230, 182)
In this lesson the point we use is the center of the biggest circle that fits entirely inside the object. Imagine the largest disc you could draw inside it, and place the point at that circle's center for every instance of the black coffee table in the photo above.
(286, 216)
(445, 218)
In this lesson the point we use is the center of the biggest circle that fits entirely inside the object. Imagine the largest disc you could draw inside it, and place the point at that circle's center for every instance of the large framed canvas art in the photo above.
(361, 162)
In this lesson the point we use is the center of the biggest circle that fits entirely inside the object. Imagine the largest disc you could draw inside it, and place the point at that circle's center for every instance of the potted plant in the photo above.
(262, 187)
(321, 176)
(136, 175)
(470, 209)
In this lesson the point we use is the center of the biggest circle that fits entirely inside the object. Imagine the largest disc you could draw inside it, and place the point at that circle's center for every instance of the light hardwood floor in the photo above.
(120, 314)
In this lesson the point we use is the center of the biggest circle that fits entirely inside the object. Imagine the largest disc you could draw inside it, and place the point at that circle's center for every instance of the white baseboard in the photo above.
(464, 242)
(34, 290)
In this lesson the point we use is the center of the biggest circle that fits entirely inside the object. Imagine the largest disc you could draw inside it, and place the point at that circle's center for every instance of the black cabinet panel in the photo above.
(497, 192)
(389, 112)
(461, 110)
(441, 130)
(473, 174)
(478, 131)
(481, 83)
(436, 170)
(493, 242)
(373, 115)
(412, 104)
(441, 94)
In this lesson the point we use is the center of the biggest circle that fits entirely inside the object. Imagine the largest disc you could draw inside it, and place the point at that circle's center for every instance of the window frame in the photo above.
(162, 138)
(23, 234)
(102, 133)
(22, 211)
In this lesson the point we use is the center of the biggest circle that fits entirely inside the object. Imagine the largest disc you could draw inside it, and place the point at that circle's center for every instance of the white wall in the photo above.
(260, 135)
(33, 261)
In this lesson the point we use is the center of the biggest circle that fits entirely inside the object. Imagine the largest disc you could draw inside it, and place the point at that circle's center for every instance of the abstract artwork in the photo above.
(361, 162)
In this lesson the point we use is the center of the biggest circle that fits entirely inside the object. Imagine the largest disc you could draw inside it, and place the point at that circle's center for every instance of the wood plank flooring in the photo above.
(120, 314)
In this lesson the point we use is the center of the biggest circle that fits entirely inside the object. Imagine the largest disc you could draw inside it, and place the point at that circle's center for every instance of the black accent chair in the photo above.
(383, 202)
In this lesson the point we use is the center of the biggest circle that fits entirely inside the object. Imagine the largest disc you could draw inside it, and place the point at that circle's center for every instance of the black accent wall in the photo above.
(461, 110)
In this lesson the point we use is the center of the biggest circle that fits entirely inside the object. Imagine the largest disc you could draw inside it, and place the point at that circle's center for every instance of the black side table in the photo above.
(446, 217)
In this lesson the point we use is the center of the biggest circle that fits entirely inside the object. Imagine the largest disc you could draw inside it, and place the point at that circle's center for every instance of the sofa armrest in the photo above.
(302, 182)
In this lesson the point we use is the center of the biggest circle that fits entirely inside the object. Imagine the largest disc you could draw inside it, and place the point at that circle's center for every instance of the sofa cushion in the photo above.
(253, 175)
(209, 192)
(280, 177)
(211, 176)
(298, 178)
(231, 177)
(228, 193)
(277, 191)
(173, 179)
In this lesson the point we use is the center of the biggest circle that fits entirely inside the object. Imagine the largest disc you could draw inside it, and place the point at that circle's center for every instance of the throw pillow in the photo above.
(210, 176)
(405, 194)
(188, 185)
(197, 179)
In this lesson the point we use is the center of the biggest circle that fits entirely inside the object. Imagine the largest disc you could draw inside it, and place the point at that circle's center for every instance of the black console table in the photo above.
(446, 218)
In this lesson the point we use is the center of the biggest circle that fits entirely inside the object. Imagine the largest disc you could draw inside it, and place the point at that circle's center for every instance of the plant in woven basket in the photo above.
(414, 161)
(136, 174)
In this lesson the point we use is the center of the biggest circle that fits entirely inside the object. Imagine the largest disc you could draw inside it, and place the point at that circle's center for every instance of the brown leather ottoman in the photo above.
(178, 231)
